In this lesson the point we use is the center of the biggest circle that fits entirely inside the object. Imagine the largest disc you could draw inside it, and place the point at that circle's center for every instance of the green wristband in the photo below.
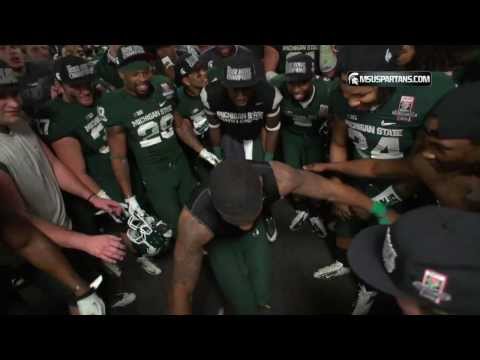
(217, 150)
(384, 221)
(268, 156)
(378, 209)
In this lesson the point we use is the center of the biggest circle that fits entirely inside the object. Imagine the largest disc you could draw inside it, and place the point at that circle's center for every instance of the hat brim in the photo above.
(87, 80)
(293, 78)
(134, 66)
(239, 84)
(365, 258)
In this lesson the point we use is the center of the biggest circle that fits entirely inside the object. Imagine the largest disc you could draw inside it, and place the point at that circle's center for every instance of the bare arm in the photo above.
(117, 140)
(271, 58)
(214, 130)
(192, 236)
(69, 152)
(368, 168)
(338, 145)
(314, 186)
(19, 234)
(272, 127)
(106, 247)
(66, 178)
(184, 130)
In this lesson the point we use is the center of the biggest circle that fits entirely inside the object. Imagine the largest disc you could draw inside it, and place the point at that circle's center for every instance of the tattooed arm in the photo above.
(192, 236)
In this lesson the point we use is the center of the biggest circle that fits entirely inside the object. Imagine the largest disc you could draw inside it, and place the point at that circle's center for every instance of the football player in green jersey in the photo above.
(77, 135)
(192, 76)
(140, 118)
(379, 123)
(304, 112)
(445, 159)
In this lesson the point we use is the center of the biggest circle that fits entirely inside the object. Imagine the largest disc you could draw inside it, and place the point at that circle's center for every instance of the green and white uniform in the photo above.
(149, 125)
(191, 108)
(304, 124)
(389, 131)
(83, 124)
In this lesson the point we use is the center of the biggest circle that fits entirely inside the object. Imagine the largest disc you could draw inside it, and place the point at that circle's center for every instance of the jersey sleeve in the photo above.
(278, 81)
(53, 124)
(208, 100)
(59, 129)
(105, 110)
(273, 108)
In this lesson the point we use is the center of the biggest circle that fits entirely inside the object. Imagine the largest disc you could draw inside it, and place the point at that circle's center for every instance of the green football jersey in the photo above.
(149, 124)
(388, 131)
(309, 116)
(191, 108)
(61, 120)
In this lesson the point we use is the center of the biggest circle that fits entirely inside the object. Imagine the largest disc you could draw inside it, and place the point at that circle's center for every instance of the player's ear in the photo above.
(186, 81)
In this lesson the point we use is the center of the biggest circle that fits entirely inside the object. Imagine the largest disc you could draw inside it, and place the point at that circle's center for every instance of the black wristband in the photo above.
(74, 299)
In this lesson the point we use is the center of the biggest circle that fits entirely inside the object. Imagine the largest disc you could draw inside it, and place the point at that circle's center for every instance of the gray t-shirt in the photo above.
(22, 157)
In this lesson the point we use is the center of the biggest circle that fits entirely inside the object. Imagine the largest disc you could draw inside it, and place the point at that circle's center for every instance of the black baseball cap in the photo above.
(299, 68)
(186, 64)
(239, 71)
(458, 113)
(236, 191)
(132, 58)
(8, 81)
(74, 70)
(430, 254)
(368, 58)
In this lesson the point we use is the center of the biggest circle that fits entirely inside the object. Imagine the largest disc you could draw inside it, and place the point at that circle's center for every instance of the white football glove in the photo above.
(134, 206)
(92, 304)
(103, 195)
(211, 158)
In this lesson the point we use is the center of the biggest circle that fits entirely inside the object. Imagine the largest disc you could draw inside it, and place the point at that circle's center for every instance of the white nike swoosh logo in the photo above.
(163, 103)
(387, 123)
(259, 103)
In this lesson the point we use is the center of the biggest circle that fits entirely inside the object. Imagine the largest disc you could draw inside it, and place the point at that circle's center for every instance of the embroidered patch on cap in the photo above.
(131, 50)
(296, 68)
(239, 74)
(191, 60)
(7, 76)
(389, 254)
(433, 287)
(79, 71)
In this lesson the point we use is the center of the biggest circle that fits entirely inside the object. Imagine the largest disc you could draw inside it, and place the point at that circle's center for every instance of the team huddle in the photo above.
(183, 151)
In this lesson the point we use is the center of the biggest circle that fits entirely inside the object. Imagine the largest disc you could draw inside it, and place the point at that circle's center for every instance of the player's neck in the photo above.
(193, 92)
